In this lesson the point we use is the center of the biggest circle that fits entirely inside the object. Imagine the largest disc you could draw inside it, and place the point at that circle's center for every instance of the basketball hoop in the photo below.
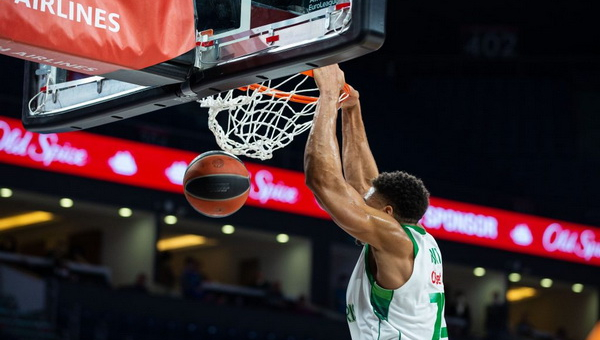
(266, 117)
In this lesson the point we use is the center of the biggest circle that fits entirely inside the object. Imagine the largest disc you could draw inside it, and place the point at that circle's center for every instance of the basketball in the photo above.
(216, 183)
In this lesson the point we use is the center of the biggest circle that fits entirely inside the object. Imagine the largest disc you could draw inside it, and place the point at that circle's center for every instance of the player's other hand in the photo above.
(352, 99)
(330, 80)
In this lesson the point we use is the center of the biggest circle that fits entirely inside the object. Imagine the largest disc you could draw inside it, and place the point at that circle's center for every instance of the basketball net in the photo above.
(265, 117)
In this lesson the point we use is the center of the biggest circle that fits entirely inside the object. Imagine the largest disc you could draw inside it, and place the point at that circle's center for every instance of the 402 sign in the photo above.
(490, 42)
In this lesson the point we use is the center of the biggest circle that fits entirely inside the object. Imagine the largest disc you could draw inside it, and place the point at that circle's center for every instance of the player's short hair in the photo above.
(405, 193)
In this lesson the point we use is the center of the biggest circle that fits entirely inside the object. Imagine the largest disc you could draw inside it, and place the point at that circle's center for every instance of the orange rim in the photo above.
(296, 98)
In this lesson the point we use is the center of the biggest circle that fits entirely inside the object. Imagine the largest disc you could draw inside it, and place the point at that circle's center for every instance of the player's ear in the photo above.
(388, 209)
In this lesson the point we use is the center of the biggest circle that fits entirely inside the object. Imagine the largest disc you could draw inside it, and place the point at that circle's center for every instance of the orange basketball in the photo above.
(216, 183)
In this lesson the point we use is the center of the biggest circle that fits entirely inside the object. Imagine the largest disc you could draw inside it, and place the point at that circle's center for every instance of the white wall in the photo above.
(291, 265)
(128, 249)
(288, 263)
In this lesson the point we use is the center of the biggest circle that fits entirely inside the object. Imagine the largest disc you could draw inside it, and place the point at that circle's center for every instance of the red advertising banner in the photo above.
(511, 231)
(96, 37)
(154, 167)
(143, 165)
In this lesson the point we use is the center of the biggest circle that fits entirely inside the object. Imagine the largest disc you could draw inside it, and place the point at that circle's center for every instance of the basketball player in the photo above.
(396, 290)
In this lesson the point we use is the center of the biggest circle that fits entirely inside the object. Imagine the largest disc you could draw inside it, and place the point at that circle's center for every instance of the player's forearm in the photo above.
(359, 164)
(322, 161)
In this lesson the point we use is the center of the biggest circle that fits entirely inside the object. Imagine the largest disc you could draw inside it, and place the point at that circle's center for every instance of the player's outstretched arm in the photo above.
(322, 161)
(324, 176)
(360, 167)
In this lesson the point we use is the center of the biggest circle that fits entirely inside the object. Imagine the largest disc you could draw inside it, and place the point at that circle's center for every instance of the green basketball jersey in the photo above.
(414, 311)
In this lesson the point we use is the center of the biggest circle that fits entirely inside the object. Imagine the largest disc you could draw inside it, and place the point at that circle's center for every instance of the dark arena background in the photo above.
(494, 104)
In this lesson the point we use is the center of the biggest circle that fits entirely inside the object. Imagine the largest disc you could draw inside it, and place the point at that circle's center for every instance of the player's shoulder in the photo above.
(415, 230)
(419, 234)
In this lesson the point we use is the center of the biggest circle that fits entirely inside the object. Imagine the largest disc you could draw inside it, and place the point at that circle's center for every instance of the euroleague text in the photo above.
(91, 16)
(318, 4)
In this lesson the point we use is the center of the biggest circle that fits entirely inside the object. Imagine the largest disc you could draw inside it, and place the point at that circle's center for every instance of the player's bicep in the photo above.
(350, 212)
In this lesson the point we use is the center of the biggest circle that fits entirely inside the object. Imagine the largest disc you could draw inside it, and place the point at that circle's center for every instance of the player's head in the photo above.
(404, 193)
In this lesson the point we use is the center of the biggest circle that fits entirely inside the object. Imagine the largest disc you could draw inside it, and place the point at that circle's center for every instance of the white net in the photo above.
(263, 118)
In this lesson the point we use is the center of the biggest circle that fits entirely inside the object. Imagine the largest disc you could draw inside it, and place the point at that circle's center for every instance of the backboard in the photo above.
(238, 42)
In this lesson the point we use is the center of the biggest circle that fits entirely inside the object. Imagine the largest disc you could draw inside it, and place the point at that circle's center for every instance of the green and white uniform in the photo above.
(414, 311)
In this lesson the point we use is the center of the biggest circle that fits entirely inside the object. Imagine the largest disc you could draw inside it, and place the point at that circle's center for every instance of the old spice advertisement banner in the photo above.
(516, 232)
(143, 165)
(96, 37)
(137, 164)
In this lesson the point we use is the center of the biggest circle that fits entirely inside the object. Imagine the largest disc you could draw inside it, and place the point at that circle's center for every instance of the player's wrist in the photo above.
(350, 109)
(329, 95)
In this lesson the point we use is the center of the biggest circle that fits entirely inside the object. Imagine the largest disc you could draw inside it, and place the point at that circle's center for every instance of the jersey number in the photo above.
(438, 331)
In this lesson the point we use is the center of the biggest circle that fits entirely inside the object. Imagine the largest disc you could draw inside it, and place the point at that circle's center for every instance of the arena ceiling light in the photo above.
(25, 219)
(479, 271)
(5, 192)
(520, 293)
(283, 238)
(577, 288)
(183, 241)
(66, 202)
(228, 229)
(514, 277)
(125, 212)
(170, 219)
(546, 283)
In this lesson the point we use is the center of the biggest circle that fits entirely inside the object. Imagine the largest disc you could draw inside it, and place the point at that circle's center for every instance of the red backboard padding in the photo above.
(94, 36)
